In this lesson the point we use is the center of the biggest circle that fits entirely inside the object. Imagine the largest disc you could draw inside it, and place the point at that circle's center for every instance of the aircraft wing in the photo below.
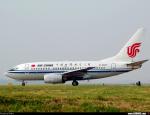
(75, 74)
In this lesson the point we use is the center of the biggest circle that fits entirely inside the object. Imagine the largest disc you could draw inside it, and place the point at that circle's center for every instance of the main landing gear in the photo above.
(75, 83)
(23, 83)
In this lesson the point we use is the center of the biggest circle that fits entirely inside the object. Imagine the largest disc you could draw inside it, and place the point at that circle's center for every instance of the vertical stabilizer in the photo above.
(131, 48)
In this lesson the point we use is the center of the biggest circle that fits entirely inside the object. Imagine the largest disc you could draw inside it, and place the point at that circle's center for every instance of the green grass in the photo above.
(67, 98)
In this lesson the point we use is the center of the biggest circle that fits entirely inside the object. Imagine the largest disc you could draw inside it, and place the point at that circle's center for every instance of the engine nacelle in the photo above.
(53, 78)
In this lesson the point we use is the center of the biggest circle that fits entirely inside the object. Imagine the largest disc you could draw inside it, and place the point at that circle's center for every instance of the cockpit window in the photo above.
(13, 69)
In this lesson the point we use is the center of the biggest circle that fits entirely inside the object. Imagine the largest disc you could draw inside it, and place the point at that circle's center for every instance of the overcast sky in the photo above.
(58, 30)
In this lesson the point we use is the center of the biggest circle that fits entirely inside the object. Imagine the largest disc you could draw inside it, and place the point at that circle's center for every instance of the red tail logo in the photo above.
(133, 50)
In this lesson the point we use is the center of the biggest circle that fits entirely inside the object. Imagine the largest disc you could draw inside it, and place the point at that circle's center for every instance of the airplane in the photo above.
(62, 71)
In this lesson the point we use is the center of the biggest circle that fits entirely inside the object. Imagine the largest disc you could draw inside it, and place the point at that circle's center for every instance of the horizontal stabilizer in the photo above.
(137, 63)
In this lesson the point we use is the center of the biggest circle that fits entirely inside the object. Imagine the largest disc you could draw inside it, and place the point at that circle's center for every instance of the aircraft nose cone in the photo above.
(6, 74)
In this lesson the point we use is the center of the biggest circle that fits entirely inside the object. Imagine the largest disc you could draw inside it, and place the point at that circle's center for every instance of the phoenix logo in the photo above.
(133, 50)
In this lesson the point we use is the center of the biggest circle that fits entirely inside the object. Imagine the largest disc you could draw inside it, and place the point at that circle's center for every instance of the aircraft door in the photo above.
(113, 66)
(26, 68)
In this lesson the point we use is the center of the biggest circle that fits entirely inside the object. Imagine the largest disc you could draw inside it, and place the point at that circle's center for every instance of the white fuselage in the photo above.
(59, 72)
(37, 70)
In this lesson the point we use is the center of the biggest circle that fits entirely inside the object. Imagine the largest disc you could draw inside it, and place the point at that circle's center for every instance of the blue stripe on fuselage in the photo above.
(36, 72)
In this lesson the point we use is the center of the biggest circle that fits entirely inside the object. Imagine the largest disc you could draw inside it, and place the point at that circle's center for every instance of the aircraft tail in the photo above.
(131, 48)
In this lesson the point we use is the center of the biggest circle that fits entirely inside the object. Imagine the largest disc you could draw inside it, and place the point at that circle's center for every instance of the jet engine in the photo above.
(53, 78)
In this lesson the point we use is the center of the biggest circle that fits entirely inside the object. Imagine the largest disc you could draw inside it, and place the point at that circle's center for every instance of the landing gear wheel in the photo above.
(23, 83)
(75, 83)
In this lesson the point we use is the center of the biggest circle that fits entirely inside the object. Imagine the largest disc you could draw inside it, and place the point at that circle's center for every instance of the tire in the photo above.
(23, 83)
(75, 83)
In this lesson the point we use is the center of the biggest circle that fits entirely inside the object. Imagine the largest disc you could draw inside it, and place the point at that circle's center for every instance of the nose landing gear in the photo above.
(23, 83)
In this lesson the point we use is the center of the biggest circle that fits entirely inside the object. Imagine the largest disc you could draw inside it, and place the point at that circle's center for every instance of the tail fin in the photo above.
(131, 48)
